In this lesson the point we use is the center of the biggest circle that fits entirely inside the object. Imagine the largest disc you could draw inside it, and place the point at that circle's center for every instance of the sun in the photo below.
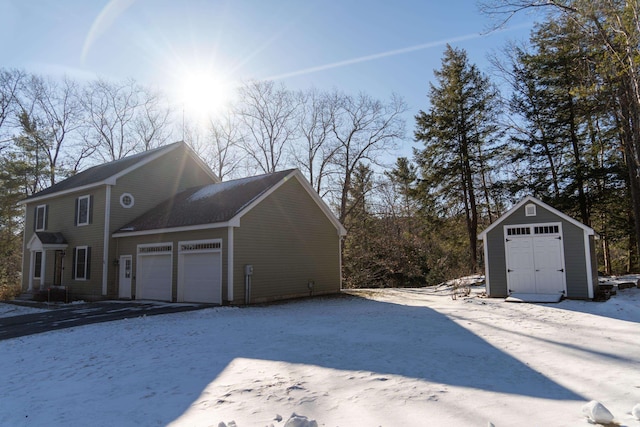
(204, 94)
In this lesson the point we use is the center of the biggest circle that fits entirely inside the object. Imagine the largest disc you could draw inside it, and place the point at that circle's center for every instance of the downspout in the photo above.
(105, 249)
(230, 264)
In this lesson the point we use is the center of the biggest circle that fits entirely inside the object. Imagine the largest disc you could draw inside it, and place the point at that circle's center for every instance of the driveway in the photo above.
(84, 314)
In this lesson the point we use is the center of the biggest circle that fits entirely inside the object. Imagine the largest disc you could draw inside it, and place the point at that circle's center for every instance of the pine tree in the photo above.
(458, 132)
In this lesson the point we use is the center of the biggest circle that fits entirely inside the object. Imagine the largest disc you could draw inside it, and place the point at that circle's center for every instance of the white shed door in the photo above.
(200, 272)
(547, 254)
(520, 265)
(154, 273)
(534, 259)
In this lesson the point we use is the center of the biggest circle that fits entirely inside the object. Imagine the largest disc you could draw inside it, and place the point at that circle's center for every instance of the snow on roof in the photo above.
(213, 189)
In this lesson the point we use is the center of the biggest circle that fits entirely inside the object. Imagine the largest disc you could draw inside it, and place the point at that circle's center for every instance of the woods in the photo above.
(558, 118)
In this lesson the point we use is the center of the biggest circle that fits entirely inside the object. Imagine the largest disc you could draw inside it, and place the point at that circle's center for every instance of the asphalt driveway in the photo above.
(85, 314)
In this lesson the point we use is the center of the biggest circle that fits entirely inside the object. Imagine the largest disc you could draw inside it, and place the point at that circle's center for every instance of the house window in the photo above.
(37, 265)
(530, 210)
(83, 207)
(81, 263)
(41, 218)
(126, 200)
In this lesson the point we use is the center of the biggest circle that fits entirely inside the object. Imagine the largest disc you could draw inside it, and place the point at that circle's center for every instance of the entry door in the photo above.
(59, 267)
(125, 276)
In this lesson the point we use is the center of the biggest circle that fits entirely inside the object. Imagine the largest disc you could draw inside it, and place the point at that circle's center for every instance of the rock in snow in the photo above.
(636, 411)
(597, 413)
(300, 421)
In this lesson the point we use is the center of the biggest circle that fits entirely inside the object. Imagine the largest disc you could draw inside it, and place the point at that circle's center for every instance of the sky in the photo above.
(379, 48)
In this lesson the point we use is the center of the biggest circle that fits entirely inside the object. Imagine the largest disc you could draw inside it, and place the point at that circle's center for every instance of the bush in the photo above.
(9, 291)
(51, 295)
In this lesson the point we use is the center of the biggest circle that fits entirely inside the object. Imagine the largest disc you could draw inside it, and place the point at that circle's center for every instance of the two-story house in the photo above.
(160, 225)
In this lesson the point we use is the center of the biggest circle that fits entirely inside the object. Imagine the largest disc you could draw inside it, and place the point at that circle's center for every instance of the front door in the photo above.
(125, 276)
(59, 267)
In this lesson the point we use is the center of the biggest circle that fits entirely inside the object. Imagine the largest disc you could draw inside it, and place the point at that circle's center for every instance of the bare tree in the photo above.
(111, 112)
(10, 84)
(365, 129)
(268, 111)
(53, 111)
(153, 119)
(223, 148)
(318, 148)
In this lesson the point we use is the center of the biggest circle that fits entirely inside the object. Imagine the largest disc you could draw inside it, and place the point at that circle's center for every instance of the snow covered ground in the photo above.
(395, 357)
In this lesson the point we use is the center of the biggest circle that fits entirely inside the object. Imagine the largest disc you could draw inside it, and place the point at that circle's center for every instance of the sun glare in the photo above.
(204, 94)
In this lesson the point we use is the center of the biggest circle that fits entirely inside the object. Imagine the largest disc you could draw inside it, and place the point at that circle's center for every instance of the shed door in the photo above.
(535, 259)
(154, 272)
(200, 271)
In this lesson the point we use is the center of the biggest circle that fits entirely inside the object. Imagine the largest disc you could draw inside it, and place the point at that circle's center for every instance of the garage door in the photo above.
(154, 272)
(534, 258)
(200, 271)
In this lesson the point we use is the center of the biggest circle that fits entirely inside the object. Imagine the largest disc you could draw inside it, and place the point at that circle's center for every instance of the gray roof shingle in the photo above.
(99, 173)
(208, 204)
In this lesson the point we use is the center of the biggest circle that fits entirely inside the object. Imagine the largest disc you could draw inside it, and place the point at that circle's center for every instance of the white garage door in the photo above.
(200, 271)
(535, 259)
(154, 272)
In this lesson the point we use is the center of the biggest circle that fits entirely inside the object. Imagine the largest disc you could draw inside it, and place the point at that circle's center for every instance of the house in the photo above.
(161, 226)
(536, 253)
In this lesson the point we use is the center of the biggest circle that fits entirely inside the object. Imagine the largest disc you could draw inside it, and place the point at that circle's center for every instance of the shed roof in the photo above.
(530, 199)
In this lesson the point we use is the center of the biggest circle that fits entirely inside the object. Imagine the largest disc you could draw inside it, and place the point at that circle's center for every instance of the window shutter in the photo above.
(75, 213)
(91, 209)
(35, 218)
(88, 271)
(75, 268)
(46, 217)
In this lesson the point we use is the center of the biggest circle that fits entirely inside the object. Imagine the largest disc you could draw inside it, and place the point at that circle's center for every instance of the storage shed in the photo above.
(537, 253)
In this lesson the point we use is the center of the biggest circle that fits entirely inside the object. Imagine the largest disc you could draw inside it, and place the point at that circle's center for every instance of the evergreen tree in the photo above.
(458, 133)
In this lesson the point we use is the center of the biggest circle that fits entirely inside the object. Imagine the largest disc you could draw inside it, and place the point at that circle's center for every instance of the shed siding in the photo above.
(573, 245)
(290, 242)
(128, 246)
(575, 262)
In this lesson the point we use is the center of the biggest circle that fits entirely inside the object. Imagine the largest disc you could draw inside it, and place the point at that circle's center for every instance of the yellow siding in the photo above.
(61, 219)
(128, 246)
(290, 242)
(149, 184)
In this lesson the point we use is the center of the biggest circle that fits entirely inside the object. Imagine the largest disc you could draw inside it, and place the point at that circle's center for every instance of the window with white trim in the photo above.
(155, 249)
(83, 207)
(518, 231)
(530, 210)
(127, 200)
(81, 262)
(41, 218)
(546, 229)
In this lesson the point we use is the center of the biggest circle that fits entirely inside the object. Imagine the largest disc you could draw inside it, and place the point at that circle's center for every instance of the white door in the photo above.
(202, 278)
(154, 272)
(200, 271)
(520, 265)
(548, 264)
(125, 276)
(534, 259)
